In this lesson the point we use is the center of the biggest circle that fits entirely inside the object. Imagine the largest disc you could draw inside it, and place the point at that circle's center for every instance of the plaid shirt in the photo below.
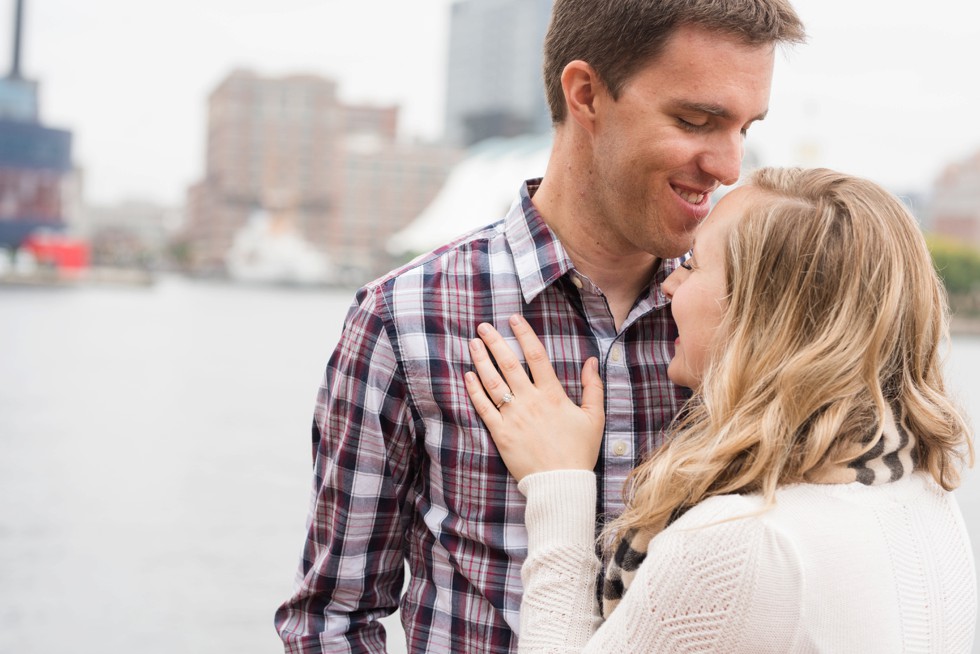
(405, 470)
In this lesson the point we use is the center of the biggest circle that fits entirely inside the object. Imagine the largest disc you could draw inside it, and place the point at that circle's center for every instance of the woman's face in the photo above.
(698, 290)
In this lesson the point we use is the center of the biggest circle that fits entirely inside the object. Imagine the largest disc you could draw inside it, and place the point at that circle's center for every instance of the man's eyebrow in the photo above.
(712, 110)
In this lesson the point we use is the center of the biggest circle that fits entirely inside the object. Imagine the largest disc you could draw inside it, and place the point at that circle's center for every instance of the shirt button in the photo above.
(619, 448)
(617, 353)
(577, 281)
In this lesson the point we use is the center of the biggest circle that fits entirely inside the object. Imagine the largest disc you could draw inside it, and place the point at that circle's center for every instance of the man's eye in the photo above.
(686, 265)
(691, 127)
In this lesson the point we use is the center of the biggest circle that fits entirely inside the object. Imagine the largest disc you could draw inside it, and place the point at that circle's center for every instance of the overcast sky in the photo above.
(889, 89)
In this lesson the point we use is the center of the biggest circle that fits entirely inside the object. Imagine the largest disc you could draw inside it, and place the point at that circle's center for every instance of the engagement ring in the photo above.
(506, 399)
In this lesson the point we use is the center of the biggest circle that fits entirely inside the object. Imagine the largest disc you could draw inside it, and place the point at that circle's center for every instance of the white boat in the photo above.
(271, 251)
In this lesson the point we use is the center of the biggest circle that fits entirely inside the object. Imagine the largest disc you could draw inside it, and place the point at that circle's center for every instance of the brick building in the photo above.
(955, 207)
(333, 172)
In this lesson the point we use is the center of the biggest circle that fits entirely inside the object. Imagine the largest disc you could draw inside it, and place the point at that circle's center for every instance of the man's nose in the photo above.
(724, 160)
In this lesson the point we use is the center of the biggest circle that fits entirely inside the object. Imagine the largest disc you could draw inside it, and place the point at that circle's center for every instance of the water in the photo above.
(155, 463)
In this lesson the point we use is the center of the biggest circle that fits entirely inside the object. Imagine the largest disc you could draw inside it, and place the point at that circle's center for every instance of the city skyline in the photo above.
(288, 159)
(882, 89)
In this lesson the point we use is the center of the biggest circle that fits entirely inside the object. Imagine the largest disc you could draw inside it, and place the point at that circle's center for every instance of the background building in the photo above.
(494, 85)
(130, 234)
(955, 208)
(38, 188)
(286, 151)
(387, 186)
(271, 144)
(478, 191)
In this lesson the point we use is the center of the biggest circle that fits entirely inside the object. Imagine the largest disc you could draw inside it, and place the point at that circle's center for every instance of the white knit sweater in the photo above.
(832, 568)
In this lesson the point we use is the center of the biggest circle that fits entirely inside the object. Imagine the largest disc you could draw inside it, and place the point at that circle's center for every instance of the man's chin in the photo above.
(674, 252)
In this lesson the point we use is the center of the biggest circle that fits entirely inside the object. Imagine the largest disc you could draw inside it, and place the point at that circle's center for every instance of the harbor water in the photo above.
(155, 462)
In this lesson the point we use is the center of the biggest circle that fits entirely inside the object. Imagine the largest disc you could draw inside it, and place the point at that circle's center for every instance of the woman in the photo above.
(802, 504)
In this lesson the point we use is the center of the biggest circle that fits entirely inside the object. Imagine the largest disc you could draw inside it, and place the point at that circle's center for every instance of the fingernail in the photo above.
(483, 328)
(515, 320)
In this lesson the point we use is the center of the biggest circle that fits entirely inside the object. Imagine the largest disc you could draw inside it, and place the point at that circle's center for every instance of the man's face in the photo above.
(675, 133)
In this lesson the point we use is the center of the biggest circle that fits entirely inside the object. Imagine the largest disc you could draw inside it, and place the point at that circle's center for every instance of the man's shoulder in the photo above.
(467, 256)
(452, 271)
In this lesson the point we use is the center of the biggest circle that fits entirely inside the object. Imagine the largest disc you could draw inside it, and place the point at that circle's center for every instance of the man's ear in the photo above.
(582, 85)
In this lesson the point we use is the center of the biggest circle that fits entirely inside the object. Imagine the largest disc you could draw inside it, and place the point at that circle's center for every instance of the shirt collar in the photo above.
(657, 296)
(540, 259)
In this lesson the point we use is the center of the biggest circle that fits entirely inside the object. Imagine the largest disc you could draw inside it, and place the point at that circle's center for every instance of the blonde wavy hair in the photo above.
(834, 313)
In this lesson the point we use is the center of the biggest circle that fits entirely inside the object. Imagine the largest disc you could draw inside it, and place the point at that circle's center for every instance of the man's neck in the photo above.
(622, 275)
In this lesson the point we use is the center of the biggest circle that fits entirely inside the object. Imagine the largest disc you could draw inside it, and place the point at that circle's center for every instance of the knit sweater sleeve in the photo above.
(558, 609)
(709, 582)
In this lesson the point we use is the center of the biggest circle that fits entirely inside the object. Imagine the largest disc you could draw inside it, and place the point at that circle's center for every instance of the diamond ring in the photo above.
(506, 399)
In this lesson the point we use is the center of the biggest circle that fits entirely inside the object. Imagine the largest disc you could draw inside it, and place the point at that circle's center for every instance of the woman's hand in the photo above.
(535, 426)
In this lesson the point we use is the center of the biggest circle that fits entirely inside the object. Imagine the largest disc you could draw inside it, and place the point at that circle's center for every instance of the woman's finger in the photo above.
(481, 402)
(534, 353)
(592, 394)
(494, 384)
(510, 366)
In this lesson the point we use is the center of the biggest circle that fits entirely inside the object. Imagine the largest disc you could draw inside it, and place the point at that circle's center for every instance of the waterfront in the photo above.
(155, 463)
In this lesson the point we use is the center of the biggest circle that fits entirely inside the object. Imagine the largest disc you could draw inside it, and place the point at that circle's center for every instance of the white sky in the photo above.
(889, 89)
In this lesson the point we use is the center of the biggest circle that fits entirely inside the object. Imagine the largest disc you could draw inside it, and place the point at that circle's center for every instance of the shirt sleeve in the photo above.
(352, 568)
(715, 581)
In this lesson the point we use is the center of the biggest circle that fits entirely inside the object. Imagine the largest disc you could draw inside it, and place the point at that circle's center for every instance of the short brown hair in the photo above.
(617, 37)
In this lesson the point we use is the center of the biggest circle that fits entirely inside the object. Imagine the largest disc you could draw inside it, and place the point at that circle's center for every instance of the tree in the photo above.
(957, 264)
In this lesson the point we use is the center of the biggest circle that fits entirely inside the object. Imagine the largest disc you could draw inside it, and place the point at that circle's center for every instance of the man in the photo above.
(651, 100)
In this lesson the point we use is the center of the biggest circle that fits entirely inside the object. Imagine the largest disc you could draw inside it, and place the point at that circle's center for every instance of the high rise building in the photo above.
(271, 145)
(37, 186)
(288, 150)
(494, 85)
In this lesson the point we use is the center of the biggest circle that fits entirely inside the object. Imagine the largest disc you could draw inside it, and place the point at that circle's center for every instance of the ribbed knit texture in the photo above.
(564, 565)
(832, 568)
(890, 459)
